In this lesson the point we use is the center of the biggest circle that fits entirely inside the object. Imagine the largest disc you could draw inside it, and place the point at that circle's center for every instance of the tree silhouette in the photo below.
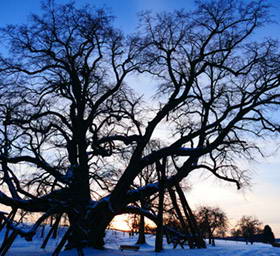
(74, 127)
(211, 220)
(268, 236)
(249, 226)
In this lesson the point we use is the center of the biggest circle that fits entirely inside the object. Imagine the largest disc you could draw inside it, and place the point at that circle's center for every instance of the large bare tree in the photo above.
(74, 128)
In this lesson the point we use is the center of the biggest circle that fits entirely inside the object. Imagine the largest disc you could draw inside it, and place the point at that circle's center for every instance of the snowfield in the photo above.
(115, 239)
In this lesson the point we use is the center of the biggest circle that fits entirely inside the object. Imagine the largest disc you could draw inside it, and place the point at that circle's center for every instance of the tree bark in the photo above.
(141, 237)
(97, 221)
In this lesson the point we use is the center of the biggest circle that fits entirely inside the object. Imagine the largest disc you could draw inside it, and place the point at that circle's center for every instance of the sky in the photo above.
(262, 198)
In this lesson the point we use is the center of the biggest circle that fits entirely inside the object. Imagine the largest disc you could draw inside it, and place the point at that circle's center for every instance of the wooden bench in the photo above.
(275, 244)
(178, 240)
(129, 247)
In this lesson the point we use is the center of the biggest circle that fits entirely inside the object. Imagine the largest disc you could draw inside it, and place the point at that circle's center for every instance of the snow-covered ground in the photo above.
(115, 239)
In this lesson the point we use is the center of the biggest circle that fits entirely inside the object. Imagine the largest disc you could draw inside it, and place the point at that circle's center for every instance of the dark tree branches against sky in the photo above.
(71, 120)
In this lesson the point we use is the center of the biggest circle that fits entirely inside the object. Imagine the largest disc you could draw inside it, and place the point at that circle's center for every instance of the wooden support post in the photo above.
(7, 243)
(55, 226)
(2, 219)
(80, 251)
(160, 168)
(62, 242)
(168, 237)
(42, 231)
(44, 244)
(193, 224)
(10, 217)
(177, 209)
(141, 236)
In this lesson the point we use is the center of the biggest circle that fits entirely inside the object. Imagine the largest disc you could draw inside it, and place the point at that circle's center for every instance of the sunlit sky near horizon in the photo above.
(262, 199)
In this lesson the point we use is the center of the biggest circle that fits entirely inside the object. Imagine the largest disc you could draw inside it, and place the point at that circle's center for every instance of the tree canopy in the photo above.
(75, 135)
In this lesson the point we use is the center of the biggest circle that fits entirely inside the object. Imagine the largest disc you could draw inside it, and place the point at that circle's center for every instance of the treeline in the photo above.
(214, 224)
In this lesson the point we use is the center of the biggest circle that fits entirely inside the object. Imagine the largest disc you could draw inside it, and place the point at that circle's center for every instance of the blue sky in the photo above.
(125, 11)
(15, 11)
(262, 199)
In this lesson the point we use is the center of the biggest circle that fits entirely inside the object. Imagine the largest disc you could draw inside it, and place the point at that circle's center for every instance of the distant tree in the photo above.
(211, 220)
(268, 236)
(235, 232)
(72, 124)
(249, 226)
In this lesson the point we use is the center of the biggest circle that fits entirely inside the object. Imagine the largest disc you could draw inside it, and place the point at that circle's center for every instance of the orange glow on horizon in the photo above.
(123, 223)
(120, 222)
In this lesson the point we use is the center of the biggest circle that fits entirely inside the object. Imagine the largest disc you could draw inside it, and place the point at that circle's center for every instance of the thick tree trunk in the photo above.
(97, 220)
(78, 234)
(79, 198)
(88, 229)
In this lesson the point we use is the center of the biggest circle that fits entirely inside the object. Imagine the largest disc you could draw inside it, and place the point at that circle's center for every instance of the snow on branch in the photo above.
(23, 230)
(170, 151)
(141, 211)
(125, 139)
(39, 163)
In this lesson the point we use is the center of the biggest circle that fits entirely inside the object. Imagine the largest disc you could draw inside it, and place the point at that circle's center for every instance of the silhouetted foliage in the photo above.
(211, 221)
(248, 227)
(268, 236)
